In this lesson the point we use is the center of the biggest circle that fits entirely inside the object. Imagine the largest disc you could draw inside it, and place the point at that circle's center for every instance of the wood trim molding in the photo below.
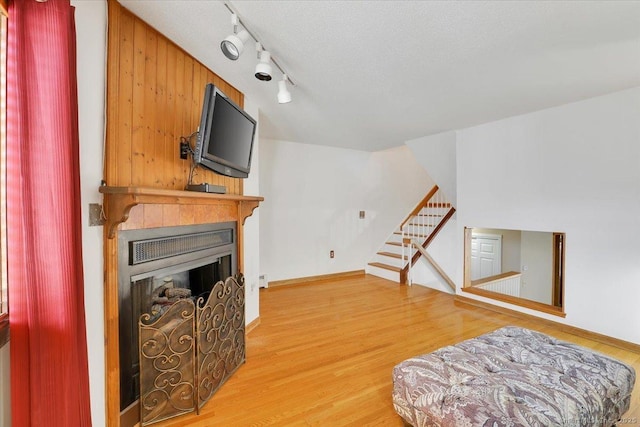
(604, 339)
(472, 286)
(252, 325)
(4, 330)
(494, 278)
(119, 201)
(466, 279)
(533, 305)
(311, 279)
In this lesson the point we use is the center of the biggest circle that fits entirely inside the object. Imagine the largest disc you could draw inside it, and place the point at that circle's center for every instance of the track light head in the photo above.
(284, 96)
(233, 45)
(263, 69)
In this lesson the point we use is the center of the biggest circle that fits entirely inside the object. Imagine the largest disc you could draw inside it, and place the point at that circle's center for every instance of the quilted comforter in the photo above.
(512, 377)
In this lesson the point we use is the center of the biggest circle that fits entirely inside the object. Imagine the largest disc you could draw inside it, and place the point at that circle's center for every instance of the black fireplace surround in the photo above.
(191, 257)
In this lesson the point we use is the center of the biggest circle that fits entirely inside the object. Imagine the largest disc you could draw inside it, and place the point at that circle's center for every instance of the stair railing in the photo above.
(420, 227)
(407, 250)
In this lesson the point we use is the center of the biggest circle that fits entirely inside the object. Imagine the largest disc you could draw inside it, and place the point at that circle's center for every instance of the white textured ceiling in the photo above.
(373, 74)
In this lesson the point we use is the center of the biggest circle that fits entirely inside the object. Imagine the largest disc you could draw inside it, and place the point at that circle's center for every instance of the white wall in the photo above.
(5, 386)
(251, 187)
(537, 269)
(437, 155)
(313, 195)
(91, 24)
(574, 169)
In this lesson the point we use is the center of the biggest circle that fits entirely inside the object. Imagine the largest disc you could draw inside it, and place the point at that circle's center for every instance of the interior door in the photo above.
(486, 255)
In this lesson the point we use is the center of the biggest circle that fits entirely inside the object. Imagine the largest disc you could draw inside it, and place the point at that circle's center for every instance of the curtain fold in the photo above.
(49, 367)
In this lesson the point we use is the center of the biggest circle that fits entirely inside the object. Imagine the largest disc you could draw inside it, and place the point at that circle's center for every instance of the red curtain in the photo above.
(49, 372)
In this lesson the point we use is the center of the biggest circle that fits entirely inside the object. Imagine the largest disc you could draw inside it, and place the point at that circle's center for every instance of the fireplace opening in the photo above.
(157, 268)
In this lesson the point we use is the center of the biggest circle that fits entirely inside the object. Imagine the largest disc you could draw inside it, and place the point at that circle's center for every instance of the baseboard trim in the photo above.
(322, 277)
(252, 325)
(601, 338)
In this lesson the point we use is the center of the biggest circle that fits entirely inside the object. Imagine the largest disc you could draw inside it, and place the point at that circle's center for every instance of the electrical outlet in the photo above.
(331, 254)
(262, 281)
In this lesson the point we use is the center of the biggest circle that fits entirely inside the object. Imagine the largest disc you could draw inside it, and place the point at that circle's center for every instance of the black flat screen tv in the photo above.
(225, 136)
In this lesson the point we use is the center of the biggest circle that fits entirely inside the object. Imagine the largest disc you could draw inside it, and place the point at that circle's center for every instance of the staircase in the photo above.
(421, 226)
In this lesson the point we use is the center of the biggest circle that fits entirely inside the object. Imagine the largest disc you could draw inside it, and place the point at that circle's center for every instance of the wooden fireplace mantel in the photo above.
(118, 202)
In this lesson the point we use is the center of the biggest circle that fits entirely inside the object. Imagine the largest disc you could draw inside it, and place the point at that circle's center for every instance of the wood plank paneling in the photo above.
(155, 96)
(160, 159)
(181, 167)
(139, 102)
(150, 107)
(123, 102)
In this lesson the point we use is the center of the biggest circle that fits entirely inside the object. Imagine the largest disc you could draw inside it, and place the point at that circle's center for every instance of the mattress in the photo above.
(512, 377)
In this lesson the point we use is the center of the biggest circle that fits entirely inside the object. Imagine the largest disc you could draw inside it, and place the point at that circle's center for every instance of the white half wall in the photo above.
(91, 27)
(313, 196)
(573, 169)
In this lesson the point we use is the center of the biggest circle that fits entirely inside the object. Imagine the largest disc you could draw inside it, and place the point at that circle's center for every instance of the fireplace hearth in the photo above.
(157, 268)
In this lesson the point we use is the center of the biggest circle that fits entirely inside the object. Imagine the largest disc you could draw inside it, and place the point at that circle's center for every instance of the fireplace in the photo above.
(157, 267)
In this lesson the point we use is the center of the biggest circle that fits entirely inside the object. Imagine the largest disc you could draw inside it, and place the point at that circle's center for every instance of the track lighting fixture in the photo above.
(233, 45)
(284, 96)
(263, 69)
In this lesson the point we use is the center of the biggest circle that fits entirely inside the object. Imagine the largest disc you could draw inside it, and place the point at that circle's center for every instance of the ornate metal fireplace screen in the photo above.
(190, 351)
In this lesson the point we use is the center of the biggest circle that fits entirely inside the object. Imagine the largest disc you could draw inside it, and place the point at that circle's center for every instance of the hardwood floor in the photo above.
(323, 353)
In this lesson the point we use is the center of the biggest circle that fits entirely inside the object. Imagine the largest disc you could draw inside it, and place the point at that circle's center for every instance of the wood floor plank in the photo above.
(323, 352)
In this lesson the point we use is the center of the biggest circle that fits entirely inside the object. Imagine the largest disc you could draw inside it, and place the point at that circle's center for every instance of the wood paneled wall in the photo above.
(154, 96)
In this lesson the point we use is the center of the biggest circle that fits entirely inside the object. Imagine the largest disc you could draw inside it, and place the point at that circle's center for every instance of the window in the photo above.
(4, 318)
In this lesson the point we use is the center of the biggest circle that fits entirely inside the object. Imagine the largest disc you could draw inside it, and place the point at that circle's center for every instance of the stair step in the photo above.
(411, 235)
(394, 243)
(431, 215)
(392, 255)
(385, 266)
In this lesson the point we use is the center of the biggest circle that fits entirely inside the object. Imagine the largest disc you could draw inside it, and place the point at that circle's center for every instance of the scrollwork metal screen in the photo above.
(167, 353)
(220, 332)
(187, 353)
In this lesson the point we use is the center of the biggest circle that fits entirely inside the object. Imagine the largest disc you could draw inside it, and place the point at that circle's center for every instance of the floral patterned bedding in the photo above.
(512, 377)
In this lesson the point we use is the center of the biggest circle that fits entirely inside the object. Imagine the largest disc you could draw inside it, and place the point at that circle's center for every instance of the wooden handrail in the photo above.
(495, 278)
(432, 235)
(435, 265)
(420, 205)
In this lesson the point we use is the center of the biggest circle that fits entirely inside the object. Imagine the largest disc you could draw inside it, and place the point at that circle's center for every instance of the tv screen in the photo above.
(225, 136)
